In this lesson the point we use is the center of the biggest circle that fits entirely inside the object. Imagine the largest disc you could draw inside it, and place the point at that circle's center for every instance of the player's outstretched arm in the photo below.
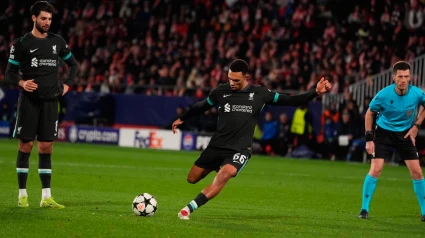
(323, 86)
(196, 110)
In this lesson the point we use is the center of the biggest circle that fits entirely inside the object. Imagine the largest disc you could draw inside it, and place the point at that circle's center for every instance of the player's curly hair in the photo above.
(400, 65)
(39, 6)
(239, 66)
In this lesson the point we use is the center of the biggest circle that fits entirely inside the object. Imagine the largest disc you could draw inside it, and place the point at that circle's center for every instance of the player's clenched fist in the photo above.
(323, 86)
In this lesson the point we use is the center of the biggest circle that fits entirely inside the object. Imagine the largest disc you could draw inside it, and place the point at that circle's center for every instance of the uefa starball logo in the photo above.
(188, 141)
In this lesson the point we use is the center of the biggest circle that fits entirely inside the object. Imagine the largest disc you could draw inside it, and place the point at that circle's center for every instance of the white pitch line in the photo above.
(114, 166)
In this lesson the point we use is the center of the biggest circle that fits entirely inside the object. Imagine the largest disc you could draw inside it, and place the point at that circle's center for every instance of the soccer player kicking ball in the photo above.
(396, 105)
(36, 55)
(230, 147)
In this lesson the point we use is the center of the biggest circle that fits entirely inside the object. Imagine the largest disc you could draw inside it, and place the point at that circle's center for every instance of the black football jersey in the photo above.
(38, 59)
(238, 114)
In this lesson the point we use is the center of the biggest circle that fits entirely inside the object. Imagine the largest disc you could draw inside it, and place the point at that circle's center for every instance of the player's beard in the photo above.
(39, 27)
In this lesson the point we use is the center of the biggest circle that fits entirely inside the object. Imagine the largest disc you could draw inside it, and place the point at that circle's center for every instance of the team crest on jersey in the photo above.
(54, 49)
(251, 96)
(409, 113)
(12, 49)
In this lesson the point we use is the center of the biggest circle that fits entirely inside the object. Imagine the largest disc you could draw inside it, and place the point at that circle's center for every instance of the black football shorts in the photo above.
(387, 141)
(36, 119)
(214, 158)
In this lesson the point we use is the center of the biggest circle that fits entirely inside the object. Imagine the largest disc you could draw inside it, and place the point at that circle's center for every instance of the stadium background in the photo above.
(142, 63)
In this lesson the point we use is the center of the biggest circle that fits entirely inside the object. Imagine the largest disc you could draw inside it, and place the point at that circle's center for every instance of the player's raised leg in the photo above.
(196, 174)
(369, 186)
(233, 164)
(22, 168)
(418, 183)
(226, 172)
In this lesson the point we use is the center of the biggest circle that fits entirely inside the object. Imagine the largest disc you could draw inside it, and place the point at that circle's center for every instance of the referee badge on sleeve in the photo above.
(409, 113)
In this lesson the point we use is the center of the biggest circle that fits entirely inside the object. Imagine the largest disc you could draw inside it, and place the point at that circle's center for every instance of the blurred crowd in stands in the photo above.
(182, 48)
(134, 46)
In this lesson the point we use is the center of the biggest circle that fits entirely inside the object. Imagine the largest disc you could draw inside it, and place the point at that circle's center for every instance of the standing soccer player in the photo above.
(36, 55)
(230, 147)
(396, 128)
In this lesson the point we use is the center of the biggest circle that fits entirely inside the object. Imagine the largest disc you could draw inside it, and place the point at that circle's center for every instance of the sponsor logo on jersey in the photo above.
(34, 62)
(237, 108)
(42, 62)
(227, 107)
(242, 108)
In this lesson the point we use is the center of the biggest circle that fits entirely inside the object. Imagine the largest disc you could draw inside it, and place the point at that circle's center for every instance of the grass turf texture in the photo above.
(271, 197)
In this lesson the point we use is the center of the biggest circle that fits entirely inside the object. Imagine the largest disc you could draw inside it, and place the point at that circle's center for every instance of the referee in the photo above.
(36, 55)
(396, 128)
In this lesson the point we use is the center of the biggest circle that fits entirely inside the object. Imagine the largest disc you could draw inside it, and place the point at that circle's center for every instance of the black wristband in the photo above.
(417, 125)
(369, 136)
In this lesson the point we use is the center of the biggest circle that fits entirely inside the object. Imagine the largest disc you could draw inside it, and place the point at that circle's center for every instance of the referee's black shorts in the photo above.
(36, 119)
(387, 141)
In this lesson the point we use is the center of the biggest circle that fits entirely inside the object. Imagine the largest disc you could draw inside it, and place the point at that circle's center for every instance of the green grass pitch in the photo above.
(271, 197)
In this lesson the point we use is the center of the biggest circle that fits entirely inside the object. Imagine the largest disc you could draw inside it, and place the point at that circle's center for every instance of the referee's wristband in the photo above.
(369, 136)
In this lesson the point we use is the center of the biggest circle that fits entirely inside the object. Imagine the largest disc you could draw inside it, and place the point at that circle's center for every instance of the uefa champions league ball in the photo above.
(144, 205)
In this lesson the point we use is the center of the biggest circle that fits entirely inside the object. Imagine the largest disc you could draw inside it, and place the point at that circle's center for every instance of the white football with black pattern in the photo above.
(144, 205)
